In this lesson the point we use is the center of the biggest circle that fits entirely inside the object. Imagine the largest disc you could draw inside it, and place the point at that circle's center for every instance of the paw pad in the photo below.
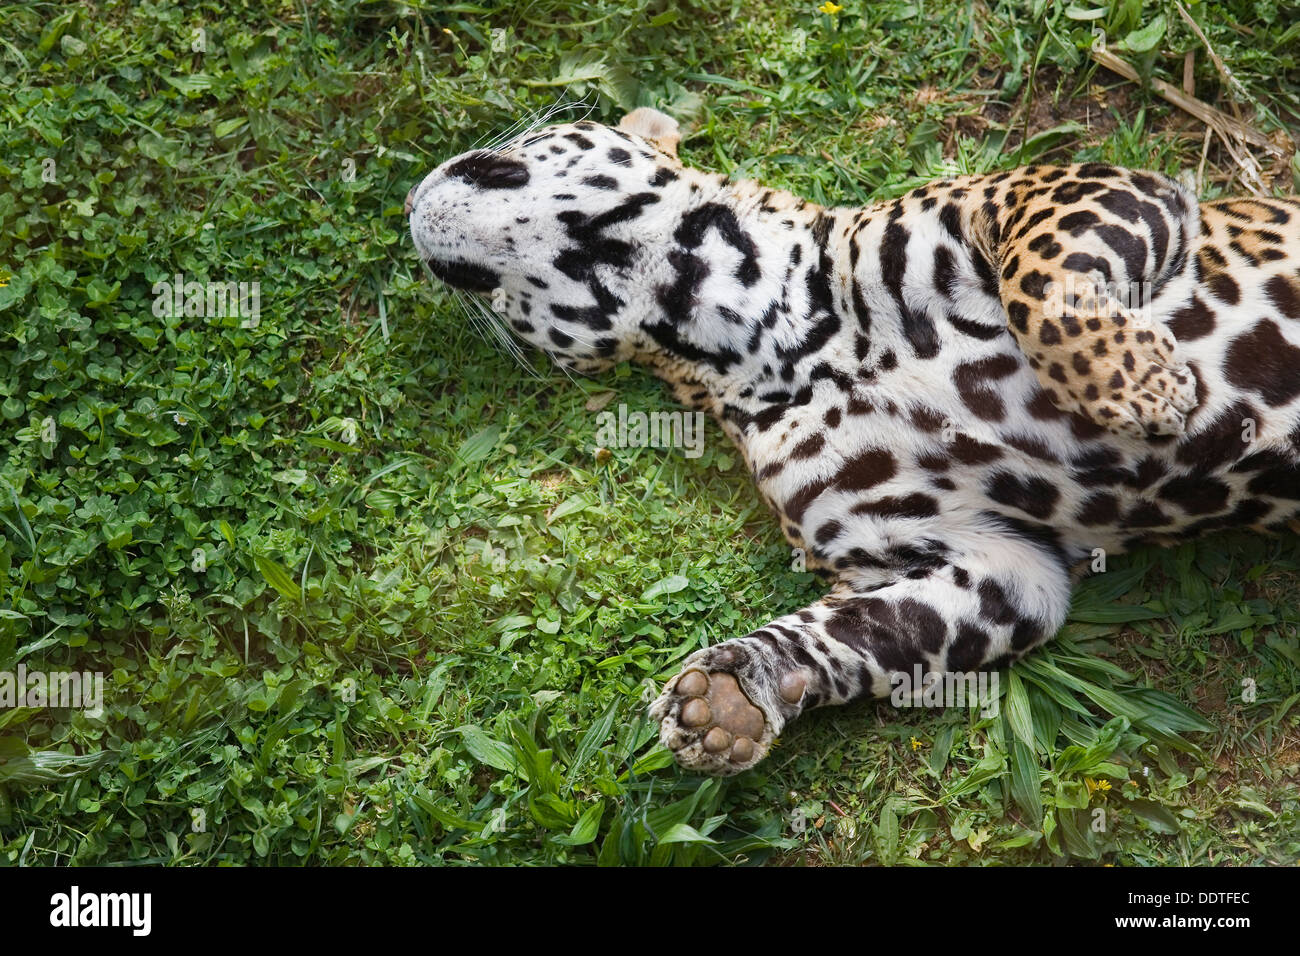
(711, 724)
(717, 703)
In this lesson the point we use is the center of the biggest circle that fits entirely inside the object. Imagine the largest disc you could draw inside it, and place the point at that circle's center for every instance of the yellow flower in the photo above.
(1096, 785)
(916, 744)
(829, 8)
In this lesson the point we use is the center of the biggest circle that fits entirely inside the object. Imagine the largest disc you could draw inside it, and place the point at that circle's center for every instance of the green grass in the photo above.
(434, 644)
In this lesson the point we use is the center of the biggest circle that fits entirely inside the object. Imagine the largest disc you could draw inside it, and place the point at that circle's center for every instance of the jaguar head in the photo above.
(557, 228)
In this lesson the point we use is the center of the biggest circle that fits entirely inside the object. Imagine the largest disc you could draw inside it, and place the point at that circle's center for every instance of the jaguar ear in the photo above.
(660, 128)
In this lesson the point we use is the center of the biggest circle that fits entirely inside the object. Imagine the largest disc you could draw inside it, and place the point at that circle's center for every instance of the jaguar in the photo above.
(947, 399)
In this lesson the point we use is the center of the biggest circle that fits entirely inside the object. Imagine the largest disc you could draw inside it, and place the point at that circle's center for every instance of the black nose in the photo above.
(490, 171)
(410, 201)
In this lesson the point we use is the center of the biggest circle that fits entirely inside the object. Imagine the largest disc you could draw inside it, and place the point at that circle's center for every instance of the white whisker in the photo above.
(494, 328)
(542, 117)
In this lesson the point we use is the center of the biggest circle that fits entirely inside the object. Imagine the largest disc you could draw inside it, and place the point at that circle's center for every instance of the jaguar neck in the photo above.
(749, 299)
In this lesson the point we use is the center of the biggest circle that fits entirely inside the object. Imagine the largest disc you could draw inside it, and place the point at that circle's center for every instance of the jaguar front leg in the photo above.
(725, 708)
(1097, 354)
(1091, 264)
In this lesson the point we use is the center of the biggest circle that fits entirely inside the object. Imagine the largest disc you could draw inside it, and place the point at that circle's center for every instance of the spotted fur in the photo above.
(943, 446)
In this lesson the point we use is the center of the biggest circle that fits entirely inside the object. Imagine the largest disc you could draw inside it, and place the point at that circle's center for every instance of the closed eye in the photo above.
(490, 171)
